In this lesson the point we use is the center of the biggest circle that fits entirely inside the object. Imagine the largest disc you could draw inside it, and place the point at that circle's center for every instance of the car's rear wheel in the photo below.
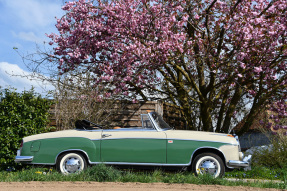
(70, 163)
(208, 163)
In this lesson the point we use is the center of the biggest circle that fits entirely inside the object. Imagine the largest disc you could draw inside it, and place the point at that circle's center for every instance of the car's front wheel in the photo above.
(208, 163)
(69, 163)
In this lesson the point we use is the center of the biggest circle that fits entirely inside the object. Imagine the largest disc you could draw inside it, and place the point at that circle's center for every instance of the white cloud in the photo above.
(31, 14)
(11, 75)
(28, 36)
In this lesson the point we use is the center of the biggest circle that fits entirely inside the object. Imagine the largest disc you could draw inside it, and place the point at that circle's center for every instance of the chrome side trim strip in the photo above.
(129, 129)
(202, 141)
(23, 159)
(43, 163)
(164, 139)
(139, 164)
(110, 138)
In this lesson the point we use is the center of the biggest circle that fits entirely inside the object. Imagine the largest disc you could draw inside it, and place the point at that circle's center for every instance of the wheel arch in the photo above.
(208, 150)
(78, 151)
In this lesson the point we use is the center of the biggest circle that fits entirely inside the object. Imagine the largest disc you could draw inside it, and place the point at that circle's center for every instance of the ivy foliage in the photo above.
(21, 114)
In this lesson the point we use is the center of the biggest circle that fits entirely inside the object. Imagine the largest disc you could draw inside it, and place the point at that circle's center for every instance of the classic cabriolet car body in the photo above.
(153, 144)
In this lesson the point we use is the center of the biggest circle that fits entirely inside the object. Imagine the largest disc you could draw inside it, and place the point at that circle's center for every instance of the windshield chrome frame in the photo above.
(154, 122)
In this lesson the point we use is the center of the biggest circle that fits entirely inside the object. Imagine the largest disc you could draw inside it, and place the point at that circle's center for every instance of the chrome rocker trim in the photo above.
(141, 164)
(23, 159)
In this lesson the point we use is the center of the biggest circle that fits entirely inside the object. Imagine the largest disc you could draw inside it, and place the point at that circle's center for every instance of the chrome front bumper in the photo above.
(246, 163)
(19, 158)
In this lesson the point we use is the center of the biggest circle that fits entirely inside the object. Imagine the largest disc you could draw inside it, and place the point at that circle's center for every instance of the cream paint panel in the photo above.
(134, 134)
(230, 152)
(66, 133)
(170, 134)
(201, 136)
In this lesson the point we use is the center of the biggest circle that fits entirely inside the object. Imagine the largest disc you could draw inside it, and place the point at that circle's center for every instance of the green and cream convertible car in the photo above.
(153, 144)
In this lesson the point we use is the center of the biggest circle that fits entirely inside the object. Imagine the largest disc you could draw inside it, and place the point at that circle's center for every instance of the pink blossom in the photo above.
(128, 78)
(242, 65)
(196, 17)
(252, 92)
(136, 41)
(274, 77)
(107, 95)
(258, 69)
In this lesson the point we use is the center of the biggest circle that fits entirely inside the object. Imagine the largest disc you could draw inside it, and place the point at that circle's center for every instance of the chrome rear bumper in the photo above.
(23, 159)
(19, 158)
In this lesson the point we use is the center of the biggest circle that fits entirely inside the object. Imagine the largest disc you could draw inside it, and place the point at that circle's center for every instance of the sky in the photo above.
(23, 26)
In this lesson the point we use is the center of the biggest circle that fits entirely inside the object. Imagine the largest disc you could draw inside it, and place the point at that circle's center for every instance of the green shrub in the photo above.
(21, 114)
(275, 155)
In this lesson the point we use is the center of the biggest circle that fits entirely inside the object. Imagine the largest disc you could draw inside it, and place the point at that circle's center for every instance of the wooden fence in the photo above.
(128, 114)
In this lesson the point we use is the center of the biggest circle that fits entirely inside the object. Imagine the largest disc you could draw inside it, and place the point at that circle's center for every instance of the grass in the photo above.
(259, 173)
(102, 173)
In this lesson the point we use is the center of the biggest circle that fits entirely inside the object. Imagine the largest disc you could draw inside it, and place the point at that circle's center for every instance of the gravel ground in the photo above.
(116, 186)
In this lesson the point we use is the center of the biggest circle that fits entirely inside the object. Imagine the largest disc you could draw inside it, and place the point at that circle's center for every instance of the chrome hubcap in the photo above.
(72, 165)
(208, 166)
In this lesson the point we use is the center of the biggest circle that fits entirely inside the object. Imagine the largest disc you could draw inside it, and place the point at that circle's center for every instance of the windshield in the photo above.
(160, 122)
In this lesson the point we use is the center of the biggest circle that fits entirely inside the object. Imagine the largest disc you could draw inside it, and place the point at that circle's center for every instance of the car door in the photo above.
(133, 146)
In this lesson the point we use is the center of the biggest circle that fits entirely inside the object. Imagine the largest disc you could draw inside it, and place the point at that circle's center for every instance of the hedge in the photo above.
(21, 114)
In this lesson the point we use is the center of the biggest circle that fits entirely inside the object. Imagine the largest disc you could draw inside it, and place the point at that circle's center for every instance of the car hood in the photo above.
(201, 136)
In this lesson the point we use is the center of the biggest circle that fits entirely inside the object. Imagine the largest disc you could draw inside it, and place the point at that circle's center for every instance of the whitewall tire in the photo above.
(208, 163)
(70, 163)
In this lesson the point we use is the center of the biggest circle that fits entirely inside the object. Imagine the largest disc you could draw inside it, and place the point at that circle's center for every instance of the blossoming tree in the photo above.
(210, 57)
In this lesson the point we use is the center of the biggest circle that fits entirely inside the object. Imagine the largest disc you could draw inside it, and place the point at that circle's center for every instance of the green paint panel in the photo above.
(180, 151)
(50, 148)
(35, 146)
(117, 150)
(134, 150)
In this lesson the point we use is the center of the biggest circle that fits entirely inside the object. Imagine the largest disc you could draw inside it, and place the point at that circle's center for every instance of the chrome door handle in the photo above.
(106, 135)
